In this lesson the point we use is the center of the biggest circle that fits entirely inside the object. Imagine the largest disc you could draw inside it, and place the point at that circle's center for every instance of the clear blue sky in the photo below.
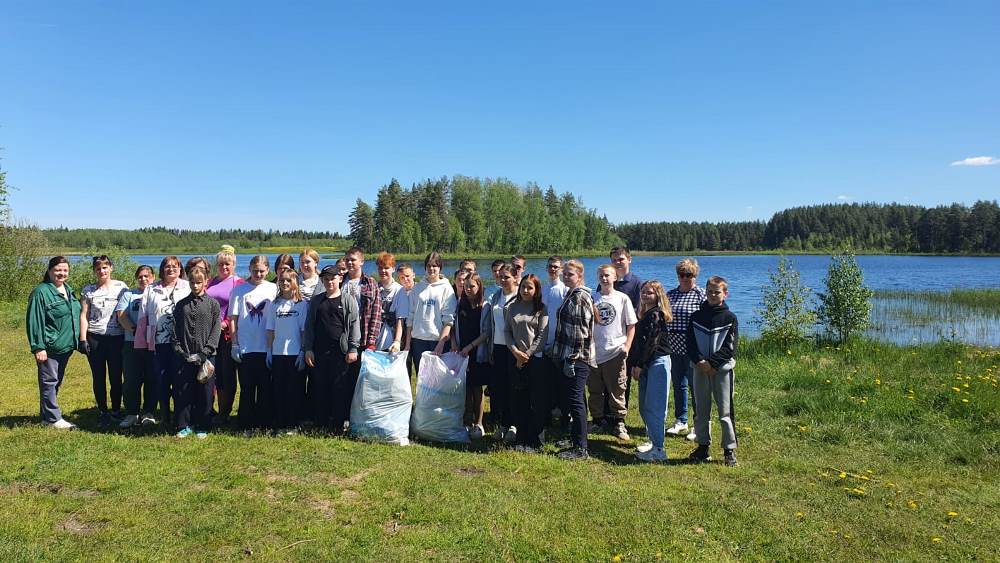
(207, 114)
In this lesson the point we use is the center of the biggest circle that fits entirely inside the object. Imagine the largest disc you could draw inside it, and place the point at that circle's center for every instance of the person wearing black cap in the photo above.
(331, 341)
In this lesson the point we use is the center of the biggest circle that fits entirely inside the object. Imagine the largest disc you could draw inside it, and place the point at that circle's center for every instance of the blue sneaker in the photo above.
(184, 432)
(201, 435)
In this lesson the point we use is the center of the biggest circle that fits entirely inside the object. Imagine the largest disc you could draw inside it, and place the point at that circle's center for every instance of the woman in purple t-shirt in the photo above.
(219, 289)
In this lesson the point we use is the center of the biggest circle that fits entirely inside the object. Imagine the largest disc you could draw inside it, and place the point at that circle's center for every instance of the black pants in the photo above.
(529, 399)
(225, 376)
(256, 396)
(289, 391)
(331, 390)
(140, 380)
(573, 385)
(499, 387)
(192, 400)
(105, 360)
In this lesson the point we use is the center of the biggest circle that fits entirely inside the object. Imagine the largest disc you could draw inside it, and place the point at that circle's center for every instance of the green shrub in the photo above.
(845, 307)
(784, 312)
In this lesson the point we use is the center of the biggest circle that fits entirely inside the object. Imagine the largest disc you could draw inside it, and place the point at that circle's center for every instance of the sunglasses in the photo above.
(687, 275)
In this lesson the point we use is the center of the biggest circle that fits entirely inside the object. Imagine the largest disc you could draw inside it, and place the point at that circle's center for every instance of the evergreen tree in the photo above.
(362, 223)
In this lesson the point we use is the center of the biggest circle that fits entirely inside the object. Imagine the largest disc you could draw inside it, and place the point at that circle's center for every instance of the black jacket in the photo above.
(650, 340)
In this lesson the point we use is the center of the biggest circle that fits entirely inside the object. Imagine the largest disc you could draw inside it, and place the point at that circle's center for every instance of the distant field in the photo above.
(864, 452)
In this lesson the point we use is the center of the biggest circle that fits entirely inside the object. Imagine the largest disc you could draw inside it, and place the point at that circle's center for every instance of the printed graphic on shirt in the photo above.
(256, 312)
(606, 313)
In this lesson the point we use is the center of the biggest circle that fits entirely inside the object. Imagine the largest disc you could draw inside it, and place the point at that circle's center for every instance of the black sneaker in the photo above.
(729, 458)
(700, 455)
(574, 454)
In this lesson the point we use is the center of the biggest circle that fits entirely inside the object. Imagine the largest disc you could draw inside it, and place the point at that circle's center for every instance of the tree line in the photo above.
(157, 238)
(865, 227)
(464, 214)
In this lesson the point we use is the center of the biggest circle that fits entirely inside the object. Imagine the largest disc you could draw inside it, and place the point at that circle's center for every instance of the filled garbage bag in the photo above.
(440, 402)
(380, 409)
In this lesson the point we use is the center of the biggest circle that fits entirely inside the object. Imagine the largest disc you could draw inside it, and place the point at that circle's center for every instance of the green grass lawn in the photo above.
(866, 452)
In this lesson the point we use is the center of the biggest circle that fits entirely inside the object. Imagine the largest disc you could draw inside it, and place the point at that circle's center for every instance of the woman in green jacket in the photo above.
(53, 324)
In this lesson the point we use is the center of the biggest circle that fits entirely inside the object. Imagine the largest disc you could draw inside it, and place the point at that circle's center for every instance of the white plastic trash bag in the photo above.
(440, 402)
(382, 400)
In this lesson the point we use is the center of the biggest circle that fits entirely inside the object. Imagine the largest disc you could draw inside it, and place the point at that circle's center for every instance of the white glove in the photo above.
(235, 353)
(395, 347)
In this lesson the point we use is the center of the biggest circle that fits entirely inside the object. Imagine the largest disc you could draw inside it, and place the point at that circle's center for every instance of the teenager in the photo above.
(286, 322)
(467, 339)
(157, 310)
(497, 354)
(614, 328)
(139, 389)
(308, 280)
(574, 348)
(517, 264)
(220, 288)
(526, 326)
(331, 342)
(282, 263)
(52, 322)
(247, 305)
(101, 337)
(552, 297)
(406, 278)
(195, 336)
(395, 304)
(365, 291)
(432, 311)
(649, 364)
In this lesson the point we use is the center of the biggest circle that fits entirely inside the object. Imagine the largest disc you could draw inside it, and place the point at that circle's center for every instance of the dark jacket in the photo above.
(197, 326)
(713, 335)
(350, 340)
(650, 340)
(52, 321)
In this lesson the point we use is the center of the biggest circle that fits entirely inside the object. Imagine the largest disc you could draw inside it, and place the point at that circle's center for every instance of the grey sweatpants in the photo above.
(720, 388)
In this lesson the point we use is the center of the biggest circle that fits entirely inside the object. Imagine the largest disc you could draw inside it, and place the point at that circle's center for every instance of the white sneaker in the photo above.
(129, 421)
(147, 418)
(621, 432)
(643, 448)
(653, 455)
(476, 431)
(678, 429)
(511, 435)
(691, 437)
(63, 424)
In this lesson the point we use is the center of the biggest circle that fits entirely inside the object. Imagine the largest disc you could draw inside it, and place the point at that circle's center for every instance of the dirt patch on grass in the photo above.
(74, 525)
(393, 527)
(20, 487)
(348, 494)
(345, 482)
(324, 506)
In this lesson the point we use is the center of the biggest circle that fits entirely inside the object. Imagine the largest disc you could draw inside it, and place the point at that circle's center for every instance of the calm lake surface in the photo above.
(900, 321)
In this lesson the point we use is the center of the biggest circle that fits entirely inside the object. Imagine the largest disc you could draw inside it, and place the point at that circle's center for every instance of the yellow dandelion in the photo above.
(843, 475)
(866, 478)
(828, 381)
(935, 540)
(952, 514)
(912, 504)
(956, 389)
(803, 429)
(799, 515)
(617, 558)
(878, 381)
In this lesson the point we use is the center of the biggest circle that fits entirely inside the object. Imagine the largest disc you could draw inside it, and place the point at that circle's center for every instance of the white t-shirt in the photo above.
(614, 315)
(309, 287)
(394, 300)
(499, 319)
(353, 287)
(158, 307)
(287, 319)
(101, 303)
(248, 303)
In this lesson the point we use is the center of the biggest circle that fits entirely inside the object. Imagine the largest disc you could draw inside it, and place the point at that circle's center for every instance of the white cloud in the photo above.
(977, 161)
(844, 197)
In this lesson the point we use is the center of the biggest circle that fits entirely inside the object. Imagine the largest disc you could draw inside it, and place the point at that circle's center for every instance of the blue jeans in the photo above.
(654, 389)
(682, 375)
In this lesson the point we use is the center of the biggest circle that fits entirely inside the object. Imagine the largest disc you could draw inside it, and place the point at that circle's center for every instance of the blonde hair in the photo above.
(688, 266)
(575, 264)
(608, 267)
(310, 253)
(662, 301)
(226, 254)
(294, 278)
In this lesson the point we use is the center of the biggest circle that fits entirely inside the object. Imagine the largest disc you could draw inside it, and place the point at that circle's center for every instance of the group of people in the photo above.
(543, 352)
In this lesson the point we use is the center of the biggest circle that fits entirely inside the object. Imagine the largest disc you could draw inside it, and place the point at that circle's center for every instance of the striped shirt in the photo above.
(683, 304)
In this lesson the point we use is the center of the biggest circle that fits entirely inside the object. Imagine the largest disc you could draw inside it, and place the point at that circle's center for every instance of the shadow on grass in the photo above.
(11, 422)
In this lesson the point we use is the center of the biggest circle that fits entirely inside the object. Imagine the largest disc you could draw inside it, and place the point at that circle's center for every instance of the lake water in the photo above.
(747, 274)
